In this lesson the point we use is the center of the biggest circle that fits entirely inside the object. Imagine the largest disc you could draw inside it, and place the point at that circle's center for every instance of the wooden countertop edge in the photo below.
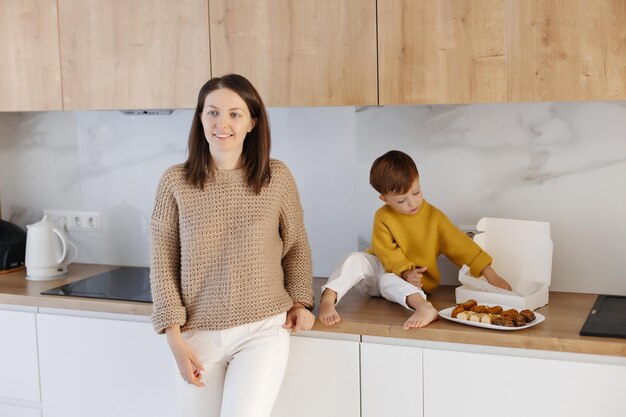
(81, 304)
(358, 318)
(472, 336)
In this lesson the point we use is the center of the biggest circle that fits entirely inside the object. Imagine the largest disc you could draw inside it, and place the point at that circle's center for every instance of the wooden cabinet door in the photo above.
(119, 54)
(567, 50)
(30, 73)
(441, 51)
(298, 53)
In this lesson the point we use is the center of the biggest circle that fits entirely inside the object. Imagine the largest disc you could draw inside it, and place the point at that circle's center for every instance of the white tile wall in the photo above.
(559, 162)
(564, 163)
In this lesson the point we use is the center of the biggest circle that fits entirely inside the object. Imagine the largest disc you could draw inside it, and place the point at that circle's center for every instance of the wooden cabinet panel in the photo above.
(119, 54)
(30, 73)
(441, 51)
(567, 50)
(298, 53)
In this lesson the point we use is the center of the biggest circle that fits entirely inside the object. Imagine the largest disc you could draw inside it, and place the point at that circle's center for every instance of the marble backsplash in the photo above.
(563, 163)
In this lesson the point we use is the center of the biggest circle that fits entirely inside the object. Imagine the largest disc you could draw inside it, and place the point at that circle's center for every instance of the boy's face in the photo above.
(408, 203)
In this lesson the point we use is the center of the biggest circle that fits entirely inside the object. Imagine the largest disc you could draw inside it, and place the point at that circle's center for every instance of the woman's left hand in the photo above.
(299, 318)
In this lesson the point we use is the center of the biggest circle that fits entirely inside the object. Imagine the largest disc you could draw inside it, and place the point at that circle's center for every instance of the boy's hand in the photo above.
(499, 282)
(414, 276)
(494, 279)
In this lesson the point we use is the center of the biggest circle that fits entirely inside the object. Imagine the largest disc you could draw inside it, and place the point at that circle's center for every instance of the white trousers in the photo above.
(243, 370)
(365, 271)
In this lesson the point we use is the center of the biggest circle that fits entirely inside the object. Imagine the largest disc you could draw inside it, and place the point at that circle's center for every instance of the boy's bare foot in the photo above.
(328, 313)
(424, 314)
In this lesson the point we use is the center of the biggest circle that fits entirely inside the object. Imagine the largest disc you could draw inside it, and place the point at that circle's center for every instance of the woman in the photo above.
(230, 260)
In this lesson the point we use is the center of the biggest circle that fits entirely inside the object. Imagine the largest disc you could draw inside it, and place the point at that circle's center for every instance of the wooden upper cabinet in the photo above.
(120, 54)
(567, 50)
(298, 53)
(441, 51)
(30, 73)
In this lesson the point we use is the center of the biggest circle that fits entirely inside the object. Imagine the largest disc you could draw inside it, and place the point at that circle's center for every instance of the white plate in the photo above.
(447, 314)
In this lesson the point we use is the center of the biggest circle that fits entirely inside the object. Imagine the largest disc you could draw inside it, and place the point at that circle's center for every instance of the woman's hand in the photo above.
(414, 276)
(494, 279)
(299, 318)
(189, 366)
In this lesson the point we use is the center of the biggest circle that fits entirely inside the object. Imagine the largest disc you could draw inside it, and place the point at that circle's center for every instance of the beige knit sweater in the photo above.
(223, 256)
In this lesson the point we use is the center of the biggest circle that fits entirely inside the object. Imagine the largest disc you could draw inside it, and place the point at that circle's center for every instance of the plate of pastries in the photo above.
(491, 316)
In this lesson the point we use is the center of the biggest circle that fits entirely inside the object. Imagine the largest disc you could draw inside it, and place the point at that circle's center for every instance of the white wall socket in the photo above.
(80, 221)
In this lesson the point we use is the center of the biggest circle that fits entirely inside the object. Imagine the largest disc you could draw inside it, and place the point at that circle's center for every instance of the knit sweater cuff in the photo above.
(400, 267)
(170, 316)
(309, 304)
(479, 263)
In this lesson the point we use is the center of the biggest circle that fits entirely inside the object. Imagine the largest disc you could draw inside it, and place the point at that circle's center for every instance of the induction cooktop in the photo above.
(127, 283)
(607, 317)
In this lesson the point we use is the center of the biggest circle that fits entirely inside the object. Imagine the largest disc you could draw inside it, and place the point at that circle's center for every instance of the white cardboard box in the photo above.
(522, 254)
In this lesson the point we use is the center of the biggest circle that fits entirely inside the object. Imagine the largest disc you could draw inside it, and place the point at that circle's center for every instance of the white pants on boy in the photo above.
(365, 271)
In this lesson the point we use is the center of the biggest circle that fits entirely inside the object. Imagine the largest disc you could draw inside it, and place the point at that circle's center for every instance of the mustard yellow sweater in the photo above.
(223, 256)
(406, 241)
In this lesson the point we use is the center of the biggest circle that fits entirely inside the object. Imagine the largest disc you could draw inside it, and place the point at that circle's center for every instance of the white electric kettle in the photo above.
(48, 251)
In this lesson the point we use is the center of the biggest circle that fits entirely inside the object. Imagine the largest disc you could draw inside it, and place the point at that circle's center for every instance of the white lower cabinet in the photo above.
(97, 367)
(322, 379)
(7, 410)
(19, 366)
(391, 381)
(462, 383)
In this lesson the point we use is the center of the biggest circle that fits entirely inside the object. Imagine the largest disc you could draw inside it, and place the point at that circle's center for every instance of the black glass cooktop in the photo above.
(127, 283)
(607, 317)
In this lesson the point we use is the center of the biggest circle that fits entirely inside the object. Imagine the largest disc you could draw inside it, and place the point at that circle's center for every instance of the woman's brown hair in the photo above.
(393, 173)
(199, 166)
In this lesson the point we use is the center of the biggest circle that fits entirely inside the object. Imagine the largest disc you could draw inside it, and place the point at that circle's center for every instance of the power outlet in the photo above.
(80, 221)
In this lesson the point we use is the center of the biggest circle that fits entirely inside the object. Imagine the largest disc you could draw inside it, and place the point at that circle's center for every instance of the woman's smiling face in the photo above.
(226, 121)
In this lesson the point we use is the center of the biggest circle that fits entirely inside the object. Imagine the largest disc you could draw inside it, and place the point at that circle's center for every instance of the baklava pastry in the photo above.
(469, 304)
(458, 309)
(528, 315)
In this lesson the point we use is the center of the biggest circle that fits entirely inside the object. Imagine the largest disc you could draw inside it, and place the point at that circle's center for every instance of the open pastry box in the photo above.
(522, 254)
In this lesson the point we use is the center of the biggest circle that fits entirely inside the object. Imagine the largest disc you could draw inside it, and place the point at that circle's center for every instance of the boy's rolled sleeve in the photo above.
(479, 263)
(460, 249)
(401, 267)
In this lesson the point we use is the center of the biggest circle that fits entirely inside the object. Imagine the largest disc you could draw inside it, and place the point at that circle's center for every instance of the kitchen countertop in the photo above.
(565, 315)
(16, 289)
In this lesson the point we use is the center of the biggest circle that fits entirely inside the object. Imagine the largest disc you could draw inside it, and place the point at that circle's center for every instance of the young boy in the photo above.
(408, 235)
